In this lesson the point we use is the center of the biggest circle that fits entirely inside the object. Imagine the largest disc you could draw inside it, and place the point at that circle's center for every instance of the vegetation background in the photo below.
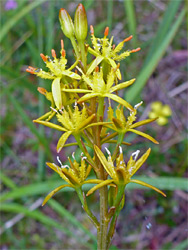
(148, 221)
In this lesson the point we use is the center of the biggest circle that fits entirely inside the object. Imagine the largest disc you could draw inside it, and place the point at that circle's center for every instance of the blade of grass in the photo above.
(164, 27)
(12, 21)
(131, 18)
(28, 122)
(7, 181)
(110, 14)
(165, 183)
(146, 72)
(39, 216)
(66, 214)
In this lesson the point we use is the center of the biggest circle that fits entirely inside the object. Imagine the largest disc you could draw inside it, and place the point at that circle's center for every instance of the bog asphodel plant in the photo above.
(79, 96)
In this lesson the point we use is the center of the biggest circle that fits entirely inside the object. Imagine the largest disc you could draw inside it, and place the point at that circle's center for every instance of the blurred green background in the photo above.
(148, 221)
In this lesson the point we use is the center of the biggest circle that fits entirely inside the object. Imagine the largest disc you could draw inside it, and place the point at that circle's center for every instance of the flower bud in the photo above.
(66, 23)
(80, 23)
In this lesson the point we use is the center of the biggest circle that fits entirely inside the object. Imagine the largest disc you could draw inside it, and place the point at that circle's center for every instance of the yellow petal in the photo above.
(137, 124)
(166, 110)
(56, 92)
(87, 97)
(149, 186)
(120, 100)
(102, 184)
(144, 135)
(86, 122)
(122, 85)
(162, 121)
(54, 192)
(139, 162)
(156, 106)
(108, 167)
(50, 125)
(62, 140)
(94, 64)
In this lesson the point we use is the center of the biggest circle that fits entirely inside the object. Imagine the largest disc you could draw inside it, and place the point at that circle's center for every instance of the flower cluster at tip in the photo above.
(78, 95)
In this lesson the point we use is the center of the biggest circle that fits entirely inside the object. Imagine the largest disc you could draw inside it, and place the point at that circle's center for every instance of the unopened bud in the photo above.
(80, 23)
(66, 23)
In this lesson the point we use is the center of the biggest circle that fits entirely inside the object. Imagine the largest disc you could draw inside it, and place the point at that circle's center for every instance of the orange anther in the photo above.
(44, 58)
(91, 29)
(63, 53)
(113, 46)
(42, 90)
(106, 31)
(135, 50)
(62, 44)
(31, 70)
(53, 53)
(97, 69)
(128, 39)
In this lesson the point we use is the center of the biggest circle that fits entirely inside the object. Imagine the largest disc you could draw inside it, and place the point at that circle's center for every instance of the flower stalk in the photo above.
(79, 97)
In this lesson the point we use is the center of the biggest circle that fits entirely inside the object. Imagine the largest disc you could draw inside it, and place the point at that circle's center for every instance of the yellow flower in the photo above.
(122, 126)
(121, 174)
(73, 122)
(161, 111)
(98, 88)
(57, 72)
(75, 175)
(103, 50)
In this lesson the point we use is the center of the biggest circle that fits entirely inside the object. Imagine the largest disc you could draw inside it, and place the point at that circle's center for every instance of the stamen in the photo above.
(42, 90)
(138, 105)
(73, 155)
(120, 150)
(108, 152)
(135, 50)
(53, 53)
(97, 69)
(65, 166)
(63, 53)
(106, 31)
(31, 70)
(44, 58)
(128, 39)
(113, 46)
(82, 154)
(54, 110)
(92, 30)
(84, 158)
(62, 44)
(59, 161)
(135, 154)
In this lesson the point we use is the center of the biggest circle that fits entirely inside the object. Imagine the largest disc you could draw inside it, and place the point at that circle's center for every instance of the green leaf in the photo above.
(72, 219)
(158, 52)
(39, 216)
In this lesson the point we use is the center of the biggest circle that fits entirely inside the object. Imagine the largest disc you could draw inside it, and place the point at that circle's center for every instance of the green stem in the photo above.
(83, 54)
(86, 208)
(74, 44)
(100, 108)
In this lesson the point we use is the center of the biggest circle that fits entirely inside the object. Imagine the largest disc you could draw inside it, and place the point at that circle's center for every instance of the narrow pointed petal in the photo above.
(94, 64)
(93, 52)
(87, 97)
(98, 124)
(148, 185)
(86, 122)
(76, 90)
(108, 167)
(114, 66)
(62, 140)
(50, 125)
(92, 181)
(137, 124)
(139, 162)
(102, 184)
(54, 192)
(144, 135)
(56, 92)
(71, 74)
(122, 85)
(120, 100)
